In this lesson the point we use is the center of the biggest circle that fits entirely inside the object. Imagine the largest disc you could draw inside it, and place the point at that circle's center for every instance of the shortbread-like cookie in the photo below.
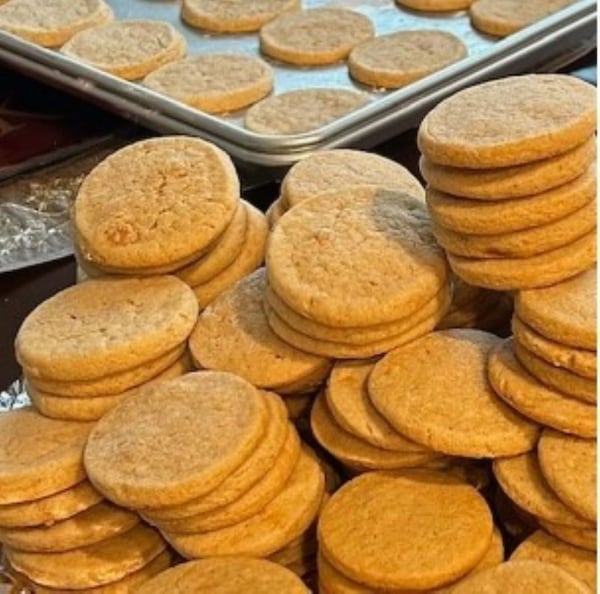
(584, 538)
(315, 36)
(395, 60)
(53, 22)
(275, 211)
(215, 83)
(232, 16)
(435, 5)
(128, 49)
(303, 110)
(510, 121)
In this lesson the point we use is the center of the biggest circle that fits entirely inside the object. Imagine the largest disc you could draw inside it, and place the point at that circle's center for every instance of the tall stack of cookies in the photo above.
(512, 180)
(168, 205)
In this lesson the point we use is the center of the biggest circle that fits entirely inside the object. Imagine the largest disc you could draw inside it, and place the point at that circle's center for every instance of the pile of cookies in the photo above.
(90, 346)
(58, 531)
(168, 205)
(512, 180)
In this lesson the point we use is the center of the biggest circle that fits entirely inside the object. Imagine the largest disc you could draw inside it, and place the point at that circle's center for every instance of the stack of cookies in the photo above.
(355, 273)
(512, 180)
(212, 462)
(232, 334)
(90, 346)
(58, 531)
(168, 205)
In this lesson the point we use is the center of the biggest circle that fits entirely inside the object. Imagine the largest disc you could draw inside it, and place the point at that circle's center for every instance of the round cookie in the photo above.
(525, 577)
(282, 520)
(229, 575)
(174, 180)
(395, 60)
(232, 334)
(397, 266)
(53, 22)
(127, 49)
(337, 169)
(534, 400)
(65, 337)
(548, 115)
(504, 216)
(584, 538)
(199, 404)
(39, 457)
(436, 392)
(540, 546)
(569, 465)
(214, 83)
(503, 17)
(275, 211)
(579, 361)
(231, 16)
(522, 480)
(549, 268)
(511, 182)
(435, 5)
(356, 530)
(302, 110)
(88, 567)
(565, 313)
(314, 36)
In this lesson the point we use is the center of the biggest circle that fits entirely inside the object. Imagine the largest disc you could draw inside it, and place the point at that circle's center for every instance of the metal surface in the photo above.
(557, 38)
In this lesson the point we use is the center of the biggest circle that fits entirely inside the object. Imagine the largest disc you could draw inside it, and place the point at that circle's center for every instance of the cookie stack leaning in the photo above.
(355, 273)
(168, 205)
(89, 347)
(212, 462)
(58, 531)
(512, 180)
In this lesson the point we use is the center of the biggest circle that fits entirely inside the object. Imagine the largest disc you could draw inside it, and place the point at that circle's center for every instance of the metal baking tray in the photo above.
(546, 45)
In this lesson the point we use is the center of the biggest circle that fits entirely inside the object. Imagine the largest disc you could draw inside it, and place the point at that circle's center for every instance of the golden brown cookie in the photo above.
(435, 5)
(584, 538)
(275, 211)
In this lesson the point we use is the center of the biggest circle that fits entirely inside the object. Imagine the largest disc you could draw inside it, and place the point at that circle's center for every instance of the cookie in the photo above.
(487, 218)
(436, 392)
(283, 519)
(127, 49)
(248, 260)
(584, 538)
(337, 169)
(298, 406)
(39, 457)
(536, 401)
(98, 523)
(503, 17)
(65, 338)
(314, 37)
(316, 268)
(199, 404)
(435, 5)
(491, 125)
(525, 243)
(356, 530)
(230, 16)
(569, 465)
(232, 334)
(134, 230)
(274, 212)
(397, 59)
(549, 268)
(302, 110)
(214, 83)
(52, 23)
(565, 313)
(540, 546)
(579, 361)
(89, 567)
(511, 182)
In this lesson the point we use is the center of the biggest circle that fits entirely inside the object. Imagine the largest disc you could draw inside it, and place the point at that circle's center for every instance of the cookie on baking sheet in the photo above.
(53, 22)
(314, 36)
(395, 60)
(491, 124)
(584, 538)
(503, 17)
(302, 110)
(231, 16)
(435, 5)
(214, 83)
(229, 575)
